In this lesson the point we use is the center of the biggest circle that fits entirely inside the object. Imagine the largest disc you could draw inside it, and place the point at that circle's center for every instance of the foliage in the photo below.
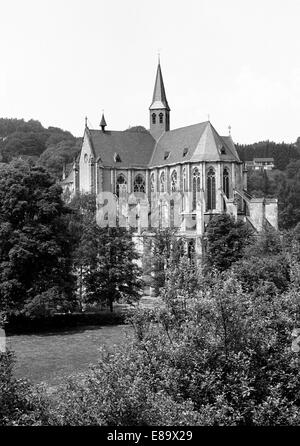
(58, 154)
(104, 259)
(35, 259)
(255, 272)
(20, 404)
(50, 147)
(161, 250)
(109, 269)
(282, 153)
(226, 241)
(284, 185)
(228, 361)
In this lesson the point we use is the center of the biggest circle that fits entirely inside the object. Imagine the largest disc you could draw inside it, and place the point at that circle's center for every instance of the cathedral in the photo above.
(166, 178)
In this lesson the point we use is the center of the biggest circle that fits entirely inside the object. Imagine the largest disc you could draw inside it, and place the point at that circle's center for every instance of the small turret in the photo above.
(103, 123)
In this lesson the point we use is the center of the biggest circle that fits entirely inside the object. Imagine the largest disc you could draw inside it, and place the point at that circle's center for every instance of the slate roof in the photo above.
(201, 142)
(134, 148)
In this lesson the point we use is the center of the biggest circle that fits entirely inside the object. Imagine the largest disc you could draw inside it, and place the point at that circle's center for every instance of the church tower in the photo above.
(159, 108)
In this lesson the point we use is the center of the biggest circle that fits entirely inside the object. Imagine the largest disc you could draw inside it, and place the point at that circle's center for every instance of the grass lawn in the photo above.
(52, 356)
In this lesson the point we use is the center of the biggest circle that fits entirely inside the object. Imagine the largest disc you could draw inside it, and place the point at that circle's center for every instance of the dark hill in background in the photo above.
(282, 153)
(50, 147)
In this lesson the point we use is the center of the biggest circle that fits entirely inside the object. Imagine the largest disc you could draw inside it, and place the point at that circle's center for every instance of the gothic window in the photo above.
(184, 180)
(121, 185)
(174, 181)
(196, 186)
(226, 182)
(183, 187)
(139, 184)
(161, 118)
(160, 213)
(172, 213)
(162, 182)
(152, 182)
(153, 118)
(211, 190)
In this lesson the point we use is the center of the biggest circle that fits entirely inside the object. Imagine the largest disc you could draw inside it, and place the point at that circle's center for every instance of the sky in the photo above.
(235, 61)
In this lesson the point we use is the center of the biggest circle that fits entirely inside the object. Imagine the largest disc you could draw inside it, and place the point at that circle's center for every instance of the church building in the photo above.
(176, 178)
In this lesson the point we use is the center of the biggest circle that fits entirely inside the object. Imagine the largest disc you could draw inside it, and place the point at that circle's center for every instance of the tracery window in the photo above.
(174, 181)
(162, 182)
(153, 118)
(172, 213)
(226, 182)
(184, 180)
(196, 186)
(121, 185)
(139, 184)
(211, 190)
(152, 182)
(161, 118)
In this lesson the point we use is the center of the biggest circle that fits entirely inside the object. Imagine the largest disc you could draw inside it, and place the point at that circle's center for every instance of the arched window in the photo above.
(121, 185)
(184, 187)
(161, 118)
(153, 118)
(162, 182)
(226, 182)
(184, 180)
(160, 213)
(139, 184)
(211, 190)
(172, 213)
(174, 181)
(152, 182)
(196, 186)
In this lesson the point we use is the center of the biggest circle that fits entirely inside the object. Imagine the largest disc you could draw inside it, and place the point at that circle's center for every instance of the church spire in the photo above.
(159, 99)
(159, 108)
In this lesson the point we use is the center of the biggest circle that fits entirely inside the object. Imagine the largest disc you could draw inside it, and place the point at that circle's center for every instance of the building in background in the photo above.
(261, 164)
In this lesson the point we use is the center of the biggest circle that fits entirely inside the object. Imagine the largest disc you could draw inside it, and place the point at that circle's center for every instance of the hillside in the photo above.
(282, 153)
(50, 147)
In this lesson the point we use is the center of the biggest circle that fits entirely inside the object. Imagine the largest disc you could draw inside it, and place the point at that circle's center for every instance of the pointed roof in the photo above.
(103, 122)
(194, 143)
(159, 99)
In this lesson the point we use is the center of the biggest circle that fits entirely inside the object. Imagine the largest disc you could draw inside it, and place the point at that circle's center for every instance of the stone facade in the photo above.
(181, 177)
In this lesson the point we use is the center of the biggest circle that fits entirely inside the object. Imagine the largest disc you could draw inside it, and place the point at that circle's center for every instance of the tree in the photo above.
(226, 241)
(107, 261)
(35, 251)
(161, 250)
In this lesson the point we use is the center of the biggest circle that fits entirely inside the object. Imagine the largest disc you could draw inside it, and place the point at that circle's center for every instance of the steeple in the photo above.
(159, 108)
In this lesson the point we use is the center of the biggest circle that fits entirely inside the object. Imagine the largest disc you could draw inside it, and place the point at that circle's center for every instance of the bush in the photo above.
(20, 404)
